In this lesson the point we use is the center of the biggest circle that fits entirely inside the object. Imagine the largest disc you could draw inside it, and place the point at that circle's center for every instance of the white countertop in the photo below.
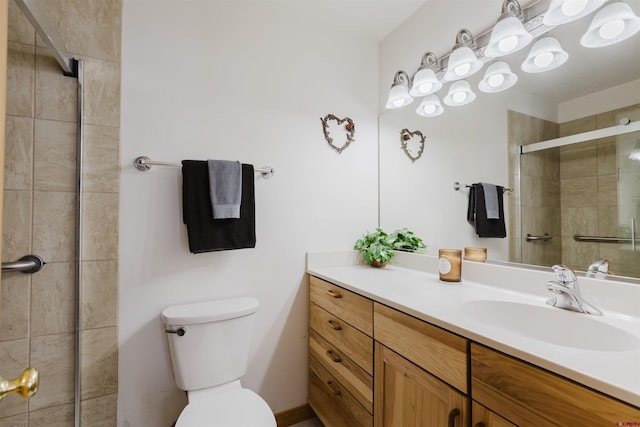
(418, 292)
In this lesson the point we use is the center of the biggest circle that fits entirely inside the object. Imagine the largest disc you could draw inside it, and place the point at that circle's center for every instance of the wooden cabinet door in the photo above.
(482, 417)
(407, 396)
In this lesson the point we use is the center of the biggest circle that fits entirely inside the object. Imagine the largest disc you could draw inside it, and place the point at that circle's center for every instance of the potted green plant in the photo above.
(406, 240)
(376, 247)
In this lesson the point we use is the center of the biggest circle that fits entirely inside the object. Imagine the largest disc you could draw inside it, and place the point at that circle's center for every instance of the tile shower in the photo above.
(37, 311)
(576, 189)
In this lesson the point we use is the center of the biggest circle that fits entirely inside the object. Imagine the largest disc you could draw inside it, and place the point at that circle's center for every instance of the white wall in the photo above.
(466, 144)
(249, 82)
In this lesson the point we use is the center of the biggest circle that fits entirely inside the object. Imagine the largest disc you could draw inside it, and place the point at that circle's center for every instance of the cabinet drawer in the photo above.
(435, 350)
(355, 344)
(351, 307)
(527, 395)
(333, 404)
(348, 373)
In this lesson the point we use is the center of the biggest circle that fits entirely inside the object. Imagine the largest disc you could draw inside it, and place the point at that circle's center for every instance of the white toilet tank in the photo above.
(214, 348)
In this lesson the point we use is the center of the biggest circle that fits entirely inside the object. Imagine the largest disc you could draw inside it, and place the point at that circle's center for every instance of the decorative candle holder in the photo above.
(475, 254)
(450, 265)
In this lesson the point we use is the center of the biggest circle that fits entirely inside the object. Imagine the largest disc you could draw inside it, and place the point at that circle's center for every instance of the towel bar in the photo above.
(457, 186)
(144, 164)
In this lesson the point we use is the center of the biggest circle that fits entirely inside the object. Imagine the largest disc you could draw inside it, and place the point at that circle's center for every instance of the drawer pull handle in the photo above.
(335, 325)
(332, 389)
(334, 356)
(334, 294)
(480, 424)
(455, 413)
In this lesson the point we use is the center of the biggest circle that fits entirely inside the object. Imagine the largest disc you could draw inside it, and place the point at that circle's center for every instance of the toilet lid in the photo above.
(234, 408)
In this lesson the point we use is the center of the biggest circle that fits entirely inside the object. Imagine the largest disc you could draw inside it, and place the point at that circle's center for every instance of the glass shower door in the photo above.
(628, 150)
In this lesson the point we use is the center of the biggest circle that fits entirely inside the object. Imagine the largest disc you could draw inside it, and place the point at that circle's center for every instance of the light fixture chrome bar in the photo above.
(581, 137)
(39, 20)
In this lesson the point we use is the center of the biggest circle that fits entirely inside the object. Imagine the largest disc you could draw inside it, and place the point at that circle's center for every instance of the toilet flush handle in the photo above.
(180, 331)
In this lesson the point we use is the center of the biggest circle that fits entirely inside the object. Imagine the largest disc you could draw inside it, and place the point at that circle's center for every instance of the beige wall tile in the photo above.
(57, 416)
(99, 362)
(96, 26)
(608, 221)
(607, 156)
(53, 299)
(101, 160)
(20, 29)
(579, 192)
(18, 162)
(56, 94)
(53, 356)
(54, 225)
(99, 294)
(102, 93)
(578, 255)
(55, 156)
(16, 217)
(100, 412)
(608, 190)
(579, 220)
(580, 161)
(20, 79)
(572, 127)
(14, 307)
(100, 234)
(14, 358)
(17, 421)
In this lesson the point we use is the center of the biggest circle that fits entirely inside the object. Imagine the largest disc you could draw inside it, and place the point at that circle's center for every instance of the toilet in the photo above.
(209, 344)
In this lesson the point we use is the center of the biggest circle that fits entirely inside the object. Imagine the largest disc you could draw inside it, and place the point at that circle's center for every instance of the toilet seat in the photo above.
(234, 408)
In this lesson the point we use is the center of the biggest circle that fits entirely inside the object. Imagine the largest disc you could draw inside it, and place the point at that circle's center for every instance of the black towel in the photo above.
(205, 233)
(477, 213)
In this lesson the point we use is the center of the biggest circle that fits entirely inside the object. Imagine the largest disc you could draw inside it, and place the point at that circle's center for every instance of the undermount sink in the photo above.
(552, 325)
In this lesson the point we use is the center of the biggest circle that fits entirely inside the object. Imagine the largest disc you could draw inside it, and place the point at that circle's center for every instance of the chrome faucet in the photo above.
(599, 266)
(566, 292)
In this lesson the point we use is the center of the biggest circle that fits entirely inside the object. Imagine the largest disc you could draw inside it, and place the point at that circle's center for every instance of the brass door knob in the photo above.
(26, 385)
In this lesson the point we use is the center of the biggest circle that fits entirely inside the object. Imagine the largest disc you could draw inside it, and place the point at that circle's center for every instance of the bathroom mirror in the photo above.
(470, 144)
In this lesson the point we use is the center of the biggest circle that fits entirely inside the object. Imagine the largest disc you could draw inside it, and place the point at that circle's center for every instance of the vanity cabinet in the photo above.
(482, 417)
(527, 395)
(340, 355)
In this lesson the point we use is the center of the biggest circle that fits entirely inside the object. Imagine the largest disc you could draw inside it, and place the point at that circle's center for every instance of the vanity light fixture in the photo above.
(425, 81)
(612, 24)
(497, 78)
(463, 61)
(430, 106)
(399, 92)
(545, 54)
(508, 35)
(460, 93)
(565, 11)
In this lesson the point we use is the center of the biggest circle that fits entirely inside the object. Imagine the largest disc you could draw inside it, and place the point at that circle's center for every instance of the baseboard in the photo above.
(294, 415)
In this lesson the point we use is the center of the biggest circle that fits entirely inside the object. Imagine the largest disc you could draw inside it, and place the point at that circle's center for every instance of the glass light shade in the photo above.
(425, 82)
(545, 54)
(398, 97)
(564, 11)
(612, 24)
(497, 78)
(508, 36)
(460, 93)
(462, 63)
(430, 106)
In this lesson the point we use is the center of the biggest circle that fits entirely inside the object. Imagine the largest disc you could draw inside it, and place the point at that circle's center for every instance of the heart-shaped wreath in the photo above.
(412, 143)
(328, 127)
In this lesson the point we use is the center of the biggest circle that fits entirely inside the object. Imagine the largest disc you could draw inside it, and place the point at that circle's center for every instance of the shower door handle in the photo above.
(26, 385)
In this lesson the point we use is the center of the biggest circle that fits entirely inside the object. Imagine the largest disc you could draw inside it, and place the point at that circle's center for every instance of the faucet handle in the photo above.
(564, 274)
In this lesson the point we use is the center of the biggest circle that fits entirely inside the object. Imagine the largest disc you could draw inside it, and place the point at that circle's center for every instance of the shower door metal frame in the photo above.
(71, 67)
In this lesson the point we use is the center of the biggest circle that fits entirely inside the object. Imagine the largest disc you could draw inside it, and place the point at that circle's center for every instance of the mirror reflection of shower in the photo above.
(593, 186)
